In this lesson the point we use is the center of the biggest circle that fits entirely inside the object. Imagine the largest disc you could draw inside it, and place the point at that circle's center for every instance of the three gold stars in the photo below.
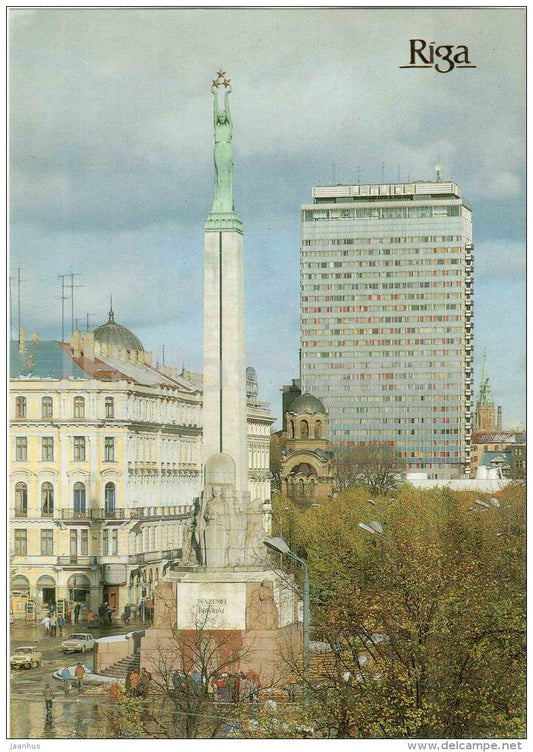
(225, 81)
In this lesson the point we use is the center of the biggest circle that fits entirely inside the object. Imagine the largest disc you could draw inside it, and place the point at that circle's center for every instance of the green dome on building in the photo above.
(306, 403)
(115, 335)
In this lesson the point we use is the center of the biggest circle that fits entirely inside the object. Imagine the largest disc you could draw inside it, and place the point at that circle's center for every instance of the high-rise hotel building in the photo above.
(387, 318)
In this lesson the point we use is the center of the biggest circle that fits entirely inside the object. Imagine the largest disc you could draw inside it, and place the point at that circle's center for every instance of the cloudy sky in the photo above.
(111, 173)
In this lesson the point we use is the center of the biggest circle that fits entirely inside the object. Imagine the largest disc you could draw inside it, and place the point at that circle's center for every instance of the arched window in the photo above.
(304, 429)
(47, 500)
(109, 498)
(21, 500)
(318, 429)
(47, 407)
(109, 407)
(79, 499)
(79, 407)
(20, 407)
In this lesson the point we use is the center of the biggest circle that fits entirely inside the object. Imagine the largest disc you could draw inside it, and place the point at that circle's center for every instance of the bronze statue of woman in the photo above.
(223, 152)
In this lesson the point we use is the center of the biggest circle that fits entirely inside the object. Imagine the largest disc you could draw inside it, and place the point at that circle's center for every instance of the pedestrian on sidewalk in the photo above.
(77, 608)
(48, 694)
(53, 624)
(79, 673)
(65, 675)
(46, 623)
(90, 619)
(60, 624)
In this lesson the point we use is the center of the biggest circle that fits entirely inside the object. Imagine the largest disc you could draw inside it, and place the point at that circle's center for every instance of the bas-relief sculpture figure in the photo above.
(223, 152)
(261, 609)
(165, 606)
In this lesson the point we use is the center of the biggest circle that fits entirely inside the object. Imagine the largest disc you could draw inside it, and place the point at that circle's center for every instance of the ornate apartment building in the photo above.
(105, 462)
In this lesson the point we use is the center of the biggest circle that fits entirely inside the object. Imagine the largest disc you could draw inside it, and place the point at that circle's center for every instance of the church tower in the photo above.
(485, 413)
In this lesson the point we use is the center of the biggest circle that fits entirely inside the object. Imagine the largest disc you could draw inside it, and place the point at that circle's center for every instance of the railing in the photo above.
(121, 513)
(152, 556)
(80, 561)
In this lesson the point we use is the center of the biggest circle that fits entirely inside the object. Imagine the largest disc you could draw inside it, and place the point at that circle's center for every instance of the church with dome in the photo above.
(306, 463)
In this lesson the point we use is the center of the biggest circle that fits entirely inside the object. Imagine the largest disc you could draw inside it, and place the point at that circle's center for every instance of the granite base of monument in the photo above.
(245, 617)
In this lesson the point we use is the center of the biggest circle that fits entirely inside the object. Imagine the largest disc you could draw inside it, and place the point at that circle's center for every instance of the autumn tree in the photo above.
(373, 466)
(423, 618)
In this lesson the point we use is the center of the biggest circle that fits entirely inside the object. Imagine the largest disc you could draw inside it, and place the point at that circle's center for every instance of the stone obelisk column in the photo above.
(224, 375)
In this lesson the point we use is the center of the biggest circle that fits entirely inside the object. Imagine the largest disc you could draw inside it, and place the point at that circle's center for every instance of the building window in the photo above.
(47, 500)
(21, 500)
(47, 445)
(79, 499)
(109, 407)
(47, 542)
(79, 407)
(47, 407)
(318, 430)
(114, 542)
(21, 448)
(109, 449)
(21, 542)
(105, 542)
(304, 429)
(20, 407)
(84, 542)
(73, 546)
(79, 448)
(109, 498)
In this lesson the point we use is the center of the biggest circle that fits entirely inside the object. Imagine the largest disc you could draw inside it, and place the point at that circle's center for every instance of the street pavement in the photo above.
(75, 716)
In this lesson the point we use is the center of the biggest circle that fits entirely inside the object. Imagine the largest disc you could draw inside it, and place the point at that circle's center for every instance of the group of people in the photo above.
(52, 622)
(224, 687)
(105, 613)
(239, 687)
(66, 676)
(138, 684)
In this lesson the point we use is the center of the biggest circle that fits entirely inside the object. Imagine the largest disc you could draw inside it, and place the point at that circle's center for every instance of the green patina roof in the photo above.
(42, 360)
(112, 333)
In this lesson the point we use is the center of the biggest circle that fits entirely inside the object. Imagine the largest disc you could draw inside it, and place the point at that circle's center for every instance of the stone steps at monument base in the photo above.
(119, 669)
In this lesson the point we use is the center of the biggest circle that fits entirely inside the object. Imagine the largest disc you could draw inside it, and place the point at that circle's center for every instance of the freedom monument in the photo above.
(226, 586)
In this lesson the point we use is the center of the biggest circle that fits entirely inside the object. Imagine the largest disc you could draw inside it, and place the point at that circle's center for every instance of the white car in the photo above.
(78, 642)
(27, 656)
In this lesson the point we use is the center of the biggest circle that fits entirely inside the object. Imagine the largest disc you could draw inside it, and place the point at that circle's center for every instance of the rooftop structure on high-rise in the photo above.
(387, 318)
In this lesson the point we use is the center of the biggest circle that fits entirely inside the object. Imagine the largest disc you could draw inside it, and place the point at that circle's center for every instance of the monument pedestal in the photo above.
(247, 615)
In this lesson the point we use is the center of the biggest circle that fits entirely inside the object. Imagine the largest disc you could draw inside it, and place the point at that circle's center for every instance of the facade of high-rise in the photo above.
(387, 318)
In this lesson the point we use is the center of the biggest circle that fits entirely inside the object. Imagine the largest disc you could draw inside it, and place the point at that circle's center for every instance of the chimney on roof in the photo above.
(75, 343)
(22, 339)
(88, 345)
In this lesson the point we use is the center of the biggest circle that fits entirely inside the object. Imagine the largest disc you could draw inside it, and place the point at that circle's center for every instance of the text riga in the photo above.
(442, 57)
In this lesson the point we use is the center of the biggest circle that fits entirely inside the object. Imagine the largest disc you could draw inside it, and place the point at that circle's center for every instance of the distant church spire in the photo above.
(111, 314)
(485, 418)
(485, 395)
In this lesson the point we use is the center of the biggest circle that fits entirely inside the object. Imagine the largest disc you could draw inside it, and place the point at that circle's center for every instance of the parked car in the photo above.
(25, 657)
(78, 642)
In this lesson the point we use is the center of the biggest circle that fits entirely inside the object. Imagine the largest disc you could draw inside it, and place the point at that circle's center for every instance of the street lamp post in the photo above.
(278, 545)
